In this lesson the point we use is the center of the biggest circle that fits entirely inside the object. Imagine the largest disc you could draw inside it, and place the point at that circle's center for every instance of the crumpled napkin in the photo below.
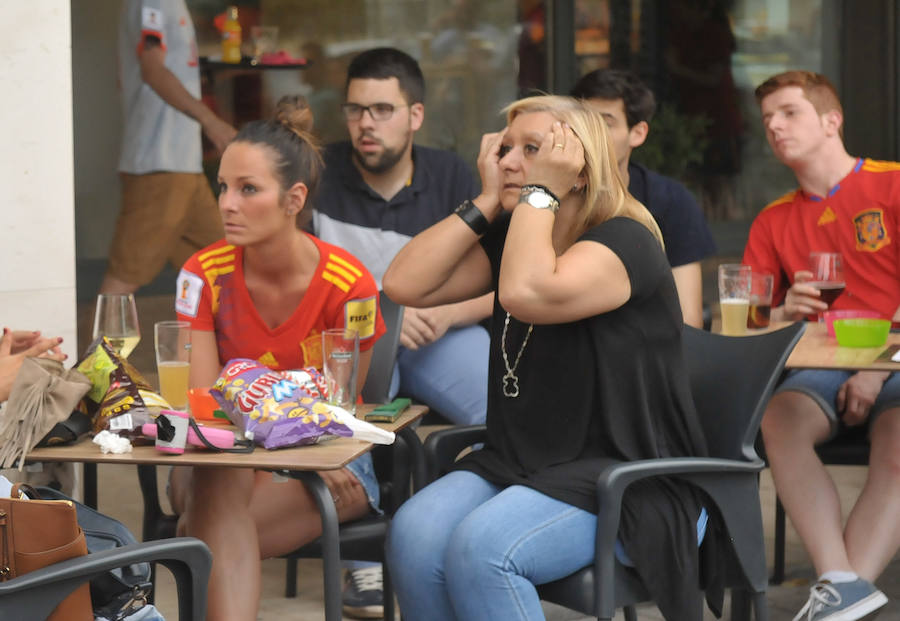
(110, 442)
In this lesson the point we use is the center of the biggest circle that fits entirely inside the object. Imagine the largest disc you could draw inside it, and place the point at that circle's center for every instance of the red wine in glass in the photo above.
(828, 275)
(829, 291)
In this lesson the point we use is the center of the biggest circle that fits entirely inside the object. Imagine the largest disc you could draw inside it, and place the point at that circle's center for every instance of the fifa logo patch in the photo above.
(871, 235)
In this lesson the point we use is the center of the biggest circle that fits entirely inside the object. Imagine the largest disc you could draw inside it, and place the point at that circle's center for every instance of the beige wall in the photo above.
(37, 249)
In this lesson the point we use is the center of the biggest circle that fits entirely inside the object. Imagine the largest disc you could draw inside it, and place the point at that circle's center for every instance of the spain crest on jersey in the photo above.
(871, 235)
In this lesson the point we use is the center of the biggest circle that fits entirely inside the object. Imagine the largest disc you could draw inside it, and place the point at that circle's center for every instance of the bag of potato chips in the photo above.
(285, 408)
(117, 388)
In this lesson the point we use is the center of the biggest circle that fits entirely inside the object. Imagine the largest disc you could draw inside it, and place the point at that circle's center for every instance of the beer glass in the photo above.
(340, 365)
(173, 361)
(734, 297)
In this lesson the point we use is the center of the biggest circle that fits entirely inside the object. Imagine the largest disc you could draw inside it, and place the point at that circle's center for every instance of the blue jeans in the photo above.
(449, 375)
(463, 548)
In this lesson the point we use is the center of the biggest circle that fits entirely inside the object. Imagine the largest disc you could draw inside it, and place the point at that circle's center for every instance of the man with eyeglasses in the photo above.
(378, 191)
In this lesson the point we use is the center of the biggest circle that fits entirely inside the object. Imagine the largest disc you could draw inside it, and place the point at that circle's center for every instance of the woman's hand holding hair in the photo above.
(491, 175)
(559, 162)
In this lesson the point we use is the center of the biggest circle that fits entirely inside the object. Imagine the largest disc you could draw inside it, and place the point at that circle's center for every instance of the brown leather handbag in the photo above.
(37, 533)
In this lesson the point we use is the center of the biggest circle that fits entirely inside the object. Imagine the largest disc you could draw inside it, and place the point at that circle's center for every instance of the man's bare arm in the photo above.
(170, 89)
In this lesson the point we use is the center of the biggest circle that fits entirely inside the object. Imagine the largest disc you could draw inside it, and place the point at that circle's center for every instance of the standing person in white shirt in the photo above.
(168, 209)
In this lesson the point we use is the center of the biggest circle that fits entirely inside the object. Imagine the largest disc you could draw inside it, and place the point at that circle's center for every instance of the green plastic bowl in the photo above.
(861, 332)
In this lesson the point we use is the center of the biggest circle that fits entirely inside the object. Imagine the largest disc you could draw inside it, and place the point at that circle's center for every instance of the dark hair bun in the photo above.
(294, 112)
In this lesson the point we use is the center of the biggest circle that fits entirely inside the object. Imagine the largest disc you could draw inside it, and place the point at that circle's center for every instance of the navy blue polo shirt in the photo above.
(683, 225)
(350, 214)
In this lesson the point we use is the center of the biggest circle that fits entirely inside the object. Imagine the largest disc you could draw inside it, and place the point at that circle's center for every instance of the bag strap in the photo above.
(241, 446)
(20, 489)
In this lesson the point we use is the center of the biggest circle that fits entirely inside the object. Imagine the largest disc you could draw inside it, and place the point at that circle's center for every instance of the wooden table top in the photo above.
(816, 350)
(329, 455)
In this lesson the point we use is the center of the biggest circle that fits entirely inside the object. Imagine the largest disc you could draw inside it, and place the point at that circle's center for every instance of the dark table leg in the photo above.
(90, 485)
(331, 552)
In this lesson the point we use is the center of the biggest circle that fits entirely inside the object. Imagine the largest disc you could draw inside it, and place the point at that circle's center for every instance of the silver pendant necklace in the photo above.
(510, 379)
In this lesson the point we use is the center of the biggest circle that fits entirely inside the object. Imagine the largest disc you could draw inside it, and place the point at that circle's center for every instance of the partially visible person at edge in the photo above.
(266, 292)
(168, 209)
(627, 106)
(15, 346)
(582, 283)
(849, 205)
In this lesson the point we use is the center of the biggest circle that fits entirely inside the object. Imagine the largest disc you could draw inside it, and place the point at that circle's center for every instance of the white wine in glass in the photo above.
(116, 319)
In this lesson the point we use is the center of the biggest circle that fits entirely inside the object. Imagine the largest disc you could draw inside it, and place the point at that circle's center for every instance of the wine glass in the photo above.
(828, 275)
(116, 319)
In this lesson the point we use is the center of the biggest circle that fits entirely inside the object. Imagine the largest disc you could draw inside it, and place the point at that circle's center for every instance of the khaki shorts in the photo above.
(165, 217)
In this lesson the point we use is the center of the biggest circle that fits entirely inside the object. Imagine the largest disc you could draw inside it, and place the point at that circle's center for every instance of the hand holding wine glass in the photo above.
(116, 319)
(828, 275)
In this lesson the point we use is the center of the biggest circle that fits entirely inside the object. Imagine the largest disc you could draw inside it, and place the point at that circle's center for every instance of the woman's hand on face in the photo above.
(489, 169)
(559, 161)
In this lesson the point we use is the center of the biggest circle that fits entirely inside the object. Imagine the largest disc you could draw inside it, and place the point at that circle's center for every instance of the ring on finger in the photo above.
(558, 145)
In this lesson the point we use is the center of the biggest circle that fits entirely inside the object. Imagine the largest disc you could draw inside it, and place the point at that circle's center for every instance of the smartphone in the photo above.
(388, 412)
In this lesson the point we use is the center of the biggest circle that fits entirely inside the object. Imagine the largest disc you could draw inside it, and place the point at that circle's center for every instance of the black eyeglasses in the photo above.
(378, 111)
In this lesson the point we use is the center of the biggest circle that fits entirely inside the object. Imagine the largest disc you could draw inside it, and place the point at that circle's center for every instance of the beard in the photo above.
(383, 162)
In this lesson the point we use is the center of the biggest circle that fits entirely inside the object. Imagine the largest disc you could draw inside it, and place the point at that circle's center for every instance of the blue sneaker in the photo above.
(841, 601)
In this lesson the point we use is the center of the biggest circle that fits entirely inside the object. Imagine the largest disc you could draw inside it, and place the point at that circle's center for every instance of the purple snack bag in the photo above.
(273, 409)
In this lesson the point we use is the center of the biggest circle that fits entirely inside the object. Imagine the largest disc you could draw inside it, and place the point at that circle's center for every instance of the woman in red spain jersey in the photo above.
(266, 292)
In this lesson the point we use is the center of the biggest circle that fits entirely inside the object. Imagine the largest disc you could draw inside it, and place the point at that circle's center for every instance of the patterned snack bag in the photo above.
(274, 408)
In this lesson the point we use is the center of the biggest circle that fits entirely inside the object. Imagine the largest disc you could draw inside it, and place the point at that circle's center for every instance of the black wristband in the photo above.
(472, 216)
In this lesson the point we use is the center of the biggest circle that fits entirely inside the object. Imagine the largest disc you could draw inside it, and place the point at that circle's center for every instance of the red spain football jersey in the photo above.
(859, 218)
(212, 295)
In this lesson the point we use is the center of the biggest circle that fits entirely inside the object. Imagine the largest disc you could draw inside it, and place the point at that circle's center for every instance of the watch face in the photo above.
(538, 199)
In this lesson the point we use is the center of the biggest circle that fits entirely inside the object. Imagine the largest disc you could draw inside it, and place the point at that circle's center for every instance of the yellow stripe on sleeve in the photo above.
(340, 271)
(345, 264)
(226, 248)
(880, 166)
(336, 281)
(217, 261)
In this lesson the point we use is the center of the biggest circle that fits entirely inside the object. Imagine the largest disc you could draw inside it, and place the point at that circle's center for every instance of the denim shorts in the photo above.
(364, 471)
(361, 467)
(823, 386)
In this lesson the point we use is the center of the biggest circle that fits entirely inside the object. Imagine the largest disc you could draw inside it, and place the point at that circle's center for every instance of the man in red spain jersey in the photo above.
(849, 205)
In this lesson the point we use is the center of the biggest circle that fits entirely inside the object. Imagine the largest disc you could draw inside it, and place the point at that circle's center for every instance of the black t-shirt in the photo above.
(612, 387)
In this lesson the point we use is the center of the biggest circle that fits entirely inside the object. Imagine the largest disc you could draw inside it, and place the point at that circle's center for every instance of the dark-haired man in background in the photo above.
(378, 191)
(627, 106)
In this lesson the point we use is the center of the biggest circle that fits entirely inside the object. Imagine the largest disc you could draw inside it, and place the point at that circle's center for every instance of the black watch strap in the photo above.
(472, 216)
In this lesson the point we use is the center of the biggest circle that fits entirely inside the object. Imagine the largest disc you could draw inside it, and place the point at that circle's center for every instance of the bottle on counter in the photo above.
(231, 37)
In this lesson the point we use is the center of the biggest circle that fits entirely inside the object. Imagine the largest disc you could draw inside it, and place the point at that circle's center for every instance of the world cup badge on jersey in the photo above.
(187, 293)
(871, 235)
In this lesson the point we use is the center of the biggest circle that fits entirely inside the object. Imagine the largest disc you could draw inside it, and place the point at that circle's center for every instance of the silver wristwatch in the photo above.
(539, 197)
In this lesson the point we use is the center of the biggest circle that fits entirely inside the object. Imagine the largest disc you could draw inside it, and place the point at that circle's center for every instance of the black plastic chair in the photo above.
(359, 540)
(851, 448)
(33, 596)
(731, 379)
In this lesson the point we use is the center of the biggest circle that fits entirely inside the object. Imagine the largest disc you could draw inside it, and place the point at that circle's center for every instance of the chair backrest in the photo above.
(384, 354)
(732, 379)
